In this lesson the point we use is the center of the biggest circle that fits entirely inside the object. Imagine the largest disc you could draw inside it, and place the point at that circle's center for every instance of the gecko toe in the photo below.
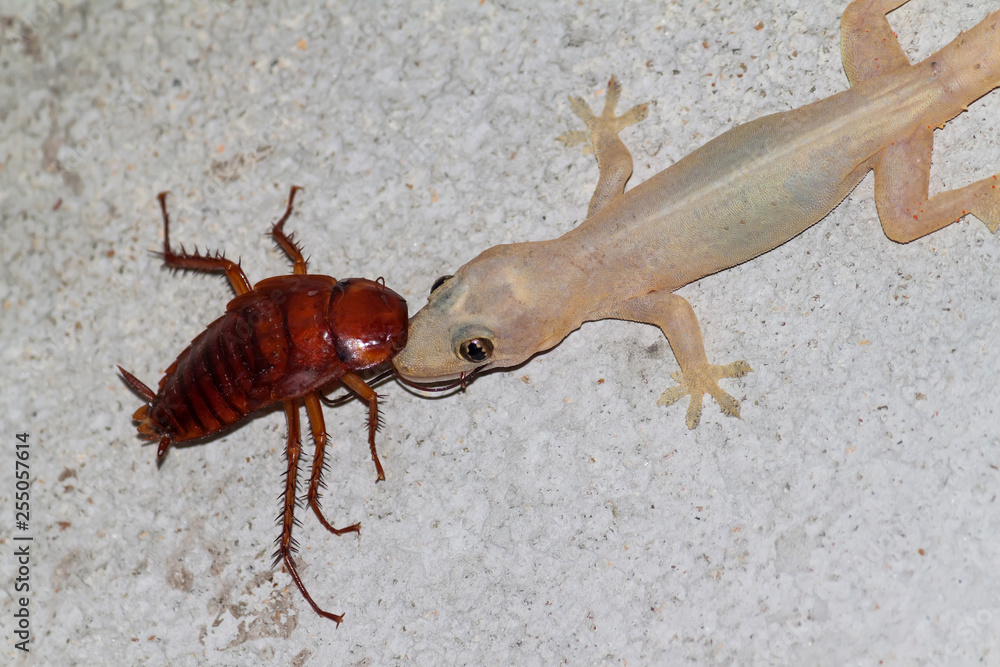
(736, 369)
(634, 115)
(729, 405)
(581, 109)
(614, 92)
(574, 138)
(672, 395)
(693, 417)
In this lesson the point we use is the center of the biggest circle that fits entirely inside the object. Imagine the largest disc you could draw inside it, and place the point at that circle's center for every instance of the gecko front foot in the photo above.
(607, 123)
(701, 380)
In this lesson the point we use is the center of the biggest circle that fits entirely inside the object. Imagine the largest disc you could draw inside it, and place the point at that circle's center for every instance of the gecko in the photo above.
(740, 195)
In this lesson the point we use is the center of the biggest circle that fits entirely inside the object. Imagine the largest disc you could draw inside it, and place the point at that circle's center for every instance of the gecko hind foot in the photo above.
(700, 381)
(606, 122)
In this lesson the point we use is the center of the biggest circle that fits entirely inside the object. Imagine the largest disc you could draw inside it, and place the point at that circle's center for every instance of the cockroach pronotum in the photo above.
(283, 340)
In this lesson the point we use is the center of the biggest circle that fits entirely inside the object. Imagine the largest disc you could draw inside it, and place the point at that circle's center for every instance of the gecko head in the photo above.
(489, 314)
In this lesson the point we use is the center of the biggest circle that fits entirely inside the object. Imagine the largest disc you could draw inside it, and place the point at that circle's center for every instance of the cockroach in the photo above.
(283, 340)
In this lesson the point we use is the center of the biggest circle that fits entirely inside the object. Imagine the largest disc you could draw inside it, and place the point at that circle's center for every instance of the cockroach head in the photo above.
(369, 321)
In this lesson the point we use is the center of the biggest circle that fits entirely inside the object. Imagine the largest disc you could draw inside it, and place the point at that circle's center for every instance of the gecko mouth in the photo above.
(413, 368)
(433, 384)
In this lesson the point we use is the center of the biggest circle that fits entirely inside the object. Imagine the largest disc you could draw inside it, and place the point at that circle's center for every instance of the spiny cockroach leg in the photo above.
(182, 260)
(318, 427)
(358, 386)
(286, 545)
(291, 248)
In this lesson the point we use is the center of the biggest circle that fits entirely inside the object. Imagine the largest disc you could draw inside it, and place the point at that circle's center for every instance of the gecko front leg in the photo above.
(675, 317)
(671, 313)
(601, 138)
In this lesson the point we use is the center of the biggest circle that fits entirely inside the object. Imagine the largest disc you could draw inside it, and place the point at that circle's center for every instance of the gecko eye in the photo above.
(437, 283)
(476, 350)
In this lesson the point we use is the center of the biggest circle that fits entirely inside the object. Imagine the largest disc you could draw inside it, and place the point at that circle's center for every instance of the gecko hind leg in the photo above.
(601, 138)
(868, 46)
(902, 180)
(902, 168)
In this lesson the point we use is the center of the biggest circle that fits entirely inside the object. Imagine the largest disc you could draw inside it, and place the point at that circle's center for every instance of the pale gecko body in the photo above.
(740, 195)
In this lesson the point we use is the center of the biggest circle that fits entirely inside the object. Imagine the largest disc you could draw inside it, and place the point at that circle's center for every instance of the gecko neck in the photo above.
(586, 278)
(607, 268)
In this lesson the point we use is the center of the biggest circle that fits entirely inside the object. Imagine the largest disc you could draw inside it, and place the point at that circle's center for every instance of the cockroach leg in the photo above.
(290, 247)
(183, 260)
(286, 545)
(350, 395)
(318, 427)
(358, 386)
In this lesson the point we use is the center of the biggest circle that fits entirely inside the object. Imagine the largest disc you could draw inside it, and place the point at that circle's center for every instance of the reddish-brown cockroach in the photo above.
(283, 340)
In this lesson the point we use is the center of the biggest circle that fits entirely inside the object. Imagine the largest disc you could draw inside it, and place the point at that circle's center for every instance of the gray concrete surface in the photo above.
(549, 515)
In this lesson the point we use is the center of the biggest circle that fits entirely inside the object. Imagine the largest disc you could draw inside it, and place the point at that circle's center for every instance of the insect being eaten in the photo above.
(283, 340)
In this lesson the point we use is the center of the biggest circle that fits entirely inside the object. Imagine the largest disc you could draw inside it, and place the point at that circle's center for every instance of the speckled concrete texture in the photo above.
(552, 514)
